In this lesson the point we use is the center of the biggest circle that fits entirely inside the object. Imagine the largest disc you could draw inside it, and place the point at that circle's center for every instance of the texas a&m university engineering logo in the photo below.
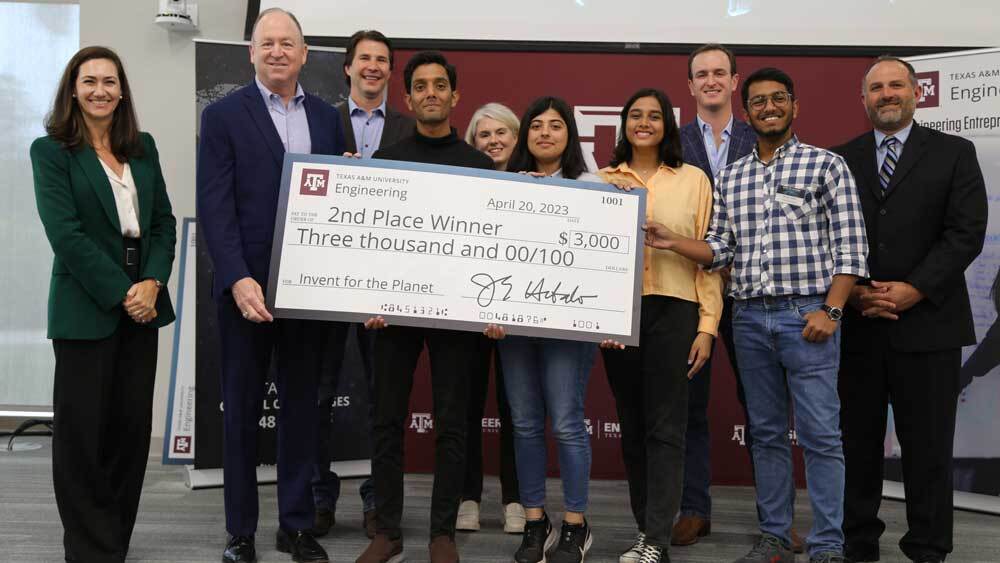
(928, 83)
(314, 181)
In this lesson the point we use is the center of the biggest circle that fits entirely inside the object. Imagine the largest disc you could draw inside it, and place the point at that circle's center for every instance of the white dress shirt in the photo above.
(126, 199)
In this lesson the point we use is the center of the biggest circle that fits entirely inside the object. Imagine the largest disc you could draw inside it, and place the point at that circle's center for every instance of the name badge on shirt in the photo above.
(791, 196)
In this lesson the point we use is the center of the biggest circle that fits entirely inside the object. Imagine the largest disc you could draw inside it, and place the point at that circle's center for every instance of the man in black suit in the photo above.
(924, 202)
(368, 124)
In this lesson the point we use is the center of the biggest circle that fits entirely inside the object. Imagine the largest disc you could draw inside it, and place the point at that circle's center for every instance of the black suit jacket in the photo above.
(925, 231)
(397, 127)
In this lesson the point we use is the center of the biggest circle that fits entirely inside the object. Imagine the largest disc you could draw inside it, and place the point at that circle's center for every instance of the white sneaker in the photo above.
(513, 518)
(468, 516)
(634, 553)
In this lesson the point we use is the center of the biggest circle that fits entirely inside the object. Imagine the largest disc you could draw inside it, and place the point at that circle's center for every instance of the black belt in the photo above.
(131, 258)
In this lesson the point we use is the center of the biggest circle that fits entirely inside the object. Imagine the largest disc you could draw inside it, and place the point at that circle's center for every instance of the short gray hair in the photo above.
(269, 11)
(496, 111)
(888, 59)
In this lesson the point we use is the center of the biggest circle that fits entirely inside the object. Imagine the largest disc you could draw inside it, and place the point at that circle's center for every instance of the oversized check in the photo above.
(457, 248)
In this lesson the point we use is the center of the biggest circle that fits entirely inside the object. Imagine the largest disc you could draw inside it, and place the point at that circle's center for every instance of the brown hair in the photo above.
(358, 37)
(65, 122)
(711, 47)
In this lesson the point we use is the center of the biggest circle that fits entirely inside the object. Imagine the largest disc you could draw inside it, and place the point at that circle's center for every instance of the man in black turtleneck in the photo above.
(430, 93)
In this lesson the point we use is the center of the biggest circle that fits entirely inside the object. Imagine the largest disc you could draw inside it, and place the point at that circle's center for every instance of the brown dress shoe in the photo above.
(324, 520)
(443, 550)
(798, 544)
(382, 550)
(368, 523)
(689, 529)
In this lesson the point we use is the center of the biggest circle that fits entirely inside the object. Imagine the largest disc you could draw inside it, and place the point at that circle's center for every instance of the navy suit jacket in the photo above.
(741, 142)
(240, 157)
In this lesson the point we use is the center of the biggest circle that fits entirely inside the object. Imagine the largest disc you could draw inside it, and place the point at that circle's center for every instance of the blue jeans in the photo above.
(549, 377)
(770, 347)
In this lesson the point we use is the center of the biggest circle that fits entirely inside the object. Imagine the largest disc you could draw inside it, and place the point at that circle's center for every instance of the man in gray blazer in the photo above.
(369, 124)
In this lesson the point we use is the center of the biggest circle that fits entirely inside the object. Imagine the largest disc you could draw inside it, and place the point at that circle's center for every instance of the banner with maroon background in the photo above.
(596, 84)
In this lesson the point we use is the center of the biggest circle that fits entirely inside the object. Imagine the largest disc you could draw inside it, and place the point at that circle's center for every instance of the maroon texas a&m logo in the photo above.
(182, 444)
(929, 84)
(314, 181)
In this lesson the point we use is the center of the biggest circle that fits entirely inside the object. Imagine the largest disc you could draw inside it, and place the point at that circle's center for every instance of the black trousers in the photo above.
(923, 391)
(650, 386)
(100, 442)
(454, 355)
(479, 385)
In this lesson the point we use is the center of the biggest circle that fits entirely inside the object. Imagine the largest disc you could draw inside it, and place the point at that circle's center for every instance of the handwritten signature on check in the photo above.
(491, 289)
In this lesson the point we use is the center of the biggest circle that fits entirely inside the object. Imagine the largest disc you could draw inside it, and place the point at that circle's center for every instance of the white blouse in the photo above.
(126, 199)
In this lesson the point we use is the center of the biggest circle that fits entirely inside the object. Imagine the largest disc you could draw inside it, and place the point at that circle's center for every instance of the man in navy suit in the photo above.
(711, 141)
(244, 138)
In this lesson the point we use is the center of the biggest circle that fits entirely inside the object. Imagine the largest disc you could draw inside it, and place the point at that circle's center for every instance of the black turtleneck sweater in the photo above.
(448, 150)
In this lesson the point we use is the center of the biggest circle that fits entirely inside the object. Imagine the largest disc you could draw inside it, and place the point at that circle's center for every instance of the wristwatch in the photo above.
(835, 313)
(159, 284)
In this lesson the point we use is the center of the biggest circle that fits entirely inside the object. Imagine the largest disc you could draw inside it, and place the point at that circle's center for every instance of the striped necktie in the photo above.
(889, 164)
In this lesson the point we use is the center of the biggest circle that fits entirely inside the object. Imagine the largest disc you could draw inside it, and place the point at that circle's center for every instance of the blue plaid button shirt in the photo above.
(780, 245)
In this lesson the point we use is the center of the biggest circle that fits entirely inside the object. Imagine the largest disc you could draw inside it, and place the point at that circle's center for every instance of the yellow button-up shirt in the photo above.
(681, 199)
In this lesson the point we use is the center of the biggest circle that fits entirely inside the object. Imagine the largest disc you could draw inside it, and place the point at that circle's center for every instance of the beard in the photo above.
(772, 135)
(893, 119)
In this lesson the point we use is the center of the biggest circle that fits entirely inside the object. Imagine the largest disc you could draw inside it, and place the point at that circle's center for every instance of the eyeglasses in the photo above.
(779, 98)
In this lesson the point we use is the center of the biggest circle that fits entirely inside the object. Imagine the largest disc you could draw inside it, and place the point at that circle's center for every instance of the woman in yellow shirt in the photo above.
(681, 305)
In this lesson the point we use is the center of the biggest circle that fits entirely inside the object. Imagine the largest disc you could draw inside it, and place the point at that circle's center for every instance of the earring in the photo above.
(74, 95)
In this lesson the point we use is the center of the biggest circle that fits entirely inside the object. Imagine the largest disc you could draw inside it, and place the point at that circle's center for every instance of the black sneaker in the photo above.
(574, 541)
(769, 549)
(537, 539)
(653, 554)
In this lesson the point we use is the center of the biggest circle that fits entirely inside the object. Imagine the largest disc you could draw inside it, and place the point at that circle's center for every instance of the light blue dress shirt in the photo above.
(880, 151)
(717, 156)
(367, 127)
(291, 121)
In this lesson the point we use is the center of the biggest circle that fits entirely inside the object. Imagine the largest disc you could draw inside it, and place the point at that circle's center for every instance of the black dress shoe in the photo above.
(324, 520)
(240, 549)
(929, 559)
(302, 545)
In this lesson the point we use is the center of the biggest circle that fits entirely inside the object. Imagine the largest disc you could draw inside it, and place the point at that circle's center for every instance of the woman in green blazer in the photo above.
(103, 203)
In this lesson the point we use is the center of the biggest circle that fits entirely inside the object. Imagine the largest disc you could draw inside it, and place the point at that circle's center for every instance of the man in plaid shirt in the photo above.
(788, 219)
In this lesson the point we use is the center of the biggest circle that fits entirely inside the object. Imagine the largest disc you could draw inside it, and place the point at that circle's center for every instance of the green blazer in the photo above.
(77, 209)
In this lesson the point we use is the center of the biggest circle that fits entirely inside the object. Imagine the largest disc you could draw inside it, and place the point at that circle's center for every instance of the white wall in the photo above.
(764, 22)
(160, 66)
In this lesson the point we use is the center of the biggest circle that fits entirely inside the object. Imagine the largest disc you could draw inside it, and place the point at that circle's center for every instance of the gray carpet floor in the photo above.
(178, 525)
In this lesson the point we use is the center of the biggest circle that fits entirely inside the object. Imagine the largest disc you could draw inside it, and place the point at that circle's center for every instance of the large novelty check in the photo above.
(457, 248)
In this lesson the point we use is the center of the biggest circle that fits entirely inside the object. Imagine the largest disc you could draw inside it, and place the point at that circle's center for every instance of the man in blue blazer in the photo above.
(244, 138)
(711, 141)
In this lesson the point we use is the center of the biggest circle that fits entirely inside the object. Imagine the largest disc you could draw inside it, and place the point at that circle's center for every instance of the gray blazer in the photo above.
(397, 127)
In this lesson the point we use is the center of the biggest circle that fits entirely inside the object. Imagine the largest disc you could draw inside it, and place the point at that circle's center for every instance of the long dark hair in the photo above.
(670, 152)
(65, 122)
(571, 161)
